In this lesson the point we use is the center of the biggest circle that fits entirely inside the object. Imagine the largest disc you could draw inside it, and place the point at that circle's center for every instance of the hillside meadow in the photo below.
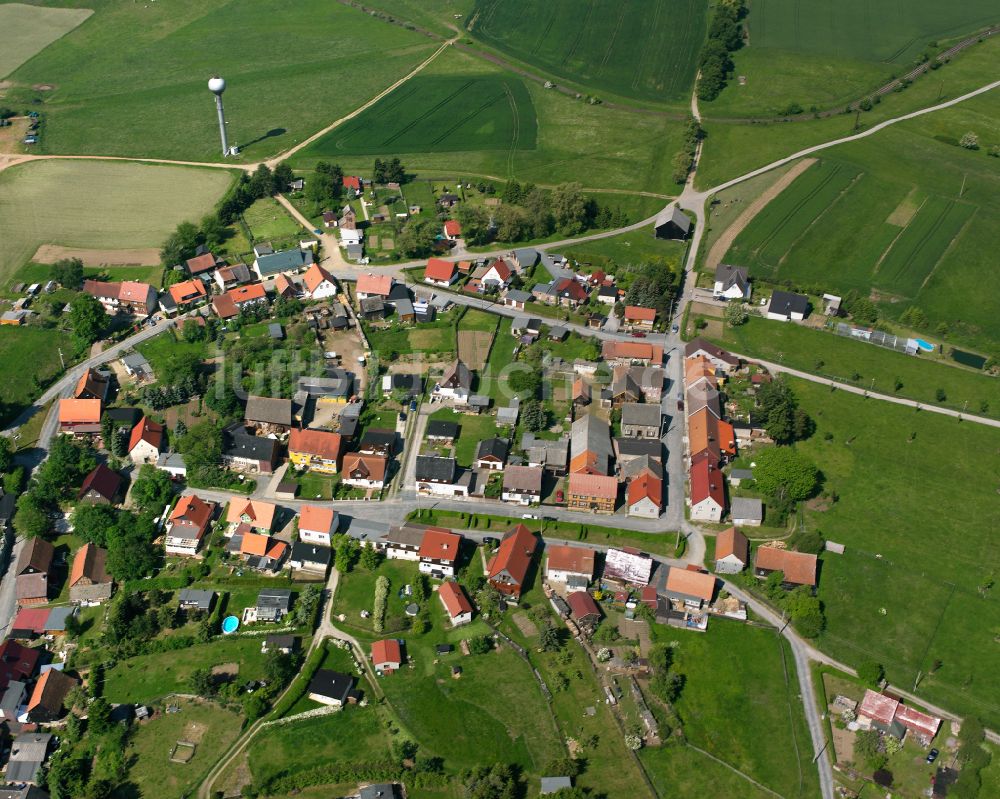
(820, 54)
(30, 29)
(917, 508)
(132, 80)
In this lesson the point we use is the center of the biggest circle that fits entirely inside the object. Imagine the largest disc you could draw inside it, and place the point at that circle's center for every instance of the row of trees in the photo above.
(725, 35)
(529, 212)
(211, 232)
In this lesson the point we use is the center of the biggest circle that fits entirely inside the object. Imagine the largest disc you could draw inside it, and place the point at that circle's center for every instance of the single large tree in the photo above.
(785, 473)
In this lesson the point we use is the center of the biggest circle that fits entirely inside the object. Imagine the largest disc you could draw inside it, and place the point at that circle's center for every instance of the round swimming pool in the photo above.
(925, 346)
(229, 624)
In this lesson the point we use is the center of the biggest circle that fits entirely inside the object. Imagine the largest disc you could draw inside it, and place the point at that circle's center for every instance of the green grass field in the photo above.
(634, 49)
(602, 148)
(472, 430)
(841, 358)
(132, 80)
(906, 215)
(29, 353)
(919, 492)
(439, 114)
(267, 219)
(818, 54)
(151, 774)
(736, 687)
(98, 204)
(732, 148)
(437, 337)
(30, 29)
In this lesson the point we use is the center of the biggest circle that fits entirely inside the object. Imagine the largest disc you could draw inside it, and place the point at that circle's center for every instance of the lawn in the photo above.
(474, 319)
(267, 220)
(30, 29)
(603, 148)
(641, 50)
(917, 512)
(817, 54)
(151, 774)
(634, 247)
(842, 358)
(159, 349)
(355, 734)
(906, 216)
(167, 52)
(356, 592)
(677, 770)
(472, 430)
(739, 681)
(439, 114)
(149, 677)
(493, 378)
(30, 354)
(436, 337)
(98, 205)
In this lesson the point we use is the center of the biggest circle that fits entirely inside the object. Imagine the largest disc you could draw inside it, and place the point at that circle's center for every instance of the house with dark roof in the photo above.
(454, 386)
(492, 454)
(550, 455)
(310, 557)
(101, 486)
(89, 580)
(32, 572)
(720, 358)
(28, 753)
(641, 420)
(198, 599)
(522, 484)
(590, 446)
(268, 415)
(439, 476)
(17, 662)
(330, 687)
(583, 609)
(92, 385)
(244, 452)
(671, 223)
(46, 703)
(441, 431)
(786, 305)
(731, 282)
(508, 568)
(285, 261)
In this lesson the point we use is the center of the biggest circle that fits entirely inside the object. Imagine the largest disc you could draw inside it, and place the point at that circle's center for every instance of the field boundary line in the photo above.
(727, 238)
(815, 221)
(947, 249)
(732, 768)
(902, 230)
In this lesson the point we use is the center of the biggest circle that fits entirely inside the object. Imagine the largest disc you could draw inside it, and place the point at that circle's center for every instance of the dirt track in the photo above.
(725, 241)
(50, 253)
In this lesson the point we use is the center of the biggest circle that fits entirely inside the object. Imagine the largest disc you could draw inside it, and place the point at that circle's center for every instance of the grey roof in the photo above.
(508, 415)
(741, 474)
(171, 460)
(522, 478)
(274, 330)
(517, 295)
(641, 413)
(746, 508)
(27, 754)
(701, 396)
(372, 305)
(434, 468)
(135, 362)
(730, 276)
(274, 598)
(270, 410)
(493, 447)
(284, 261)
(404, 307)
(397, 292)
(238, 443)
(366, 529)
(526, 256)
(673, 214)
(525, 322)
(553, 784)
(58, 616)
(592, 434)
(405, 535)
(457, 375)
(479, 401)
(438, 428)
(14, 695)
(355, 251)
(303, 552)
(644, 463)
(558, 332)
(555, 270)
(787, 303)
(545, 288)
(382, 790)
(539, 450)
(637, 447)
(200, 597)
(338, 383)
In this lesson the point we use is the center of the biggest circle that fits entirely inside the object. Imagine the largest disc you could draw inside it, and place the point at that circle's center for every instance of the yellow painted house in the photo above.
(317, 450)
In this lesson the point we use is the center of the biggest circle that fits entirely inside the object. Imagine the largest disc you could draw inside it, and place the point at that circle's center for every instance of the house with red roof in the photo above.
(387, 656)
(371, 285)
(592, 493)
(319, 283)
(439, 552)
(317, 450)
(440, 272)
(188, 524)
(251, 512)
(80, 416)
(632, 352)
(708, 494)
(456, 603)
(645, 495)
(497, 275)
(101, 487)
(261, 552)
(228, 305)
(17, 662)
(92, 385)
(318, 525)
(508, 568)
(200, 264)
(353, 184)
(797, 568)
(732, 551)
(452, 230)
(146, 441)
(638, 318)
(187, 292)
(363, 470)
(129, 296)
(573, 566)
(583, 609)
(569, 292)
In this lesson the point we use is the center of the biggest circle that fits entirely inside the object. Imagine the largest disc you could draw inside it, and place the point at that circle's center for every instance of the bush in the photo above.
(381, 600)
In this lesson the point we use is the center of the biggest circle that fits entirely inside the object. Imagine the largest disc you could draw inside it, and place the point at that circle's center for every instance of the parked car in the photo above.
(560, 496)
(932, 755)
(638, 334)
(675, 328)
(413, 405)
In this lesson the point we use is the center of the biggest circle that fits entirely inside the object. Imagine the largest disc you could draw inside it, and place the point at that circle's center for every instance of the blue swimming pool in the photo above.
(924, 345)
(229, 624)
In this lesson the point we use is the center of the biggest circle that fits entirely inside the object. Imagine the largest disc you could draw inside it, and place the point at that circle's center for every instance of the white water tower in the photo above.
(217, 86)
